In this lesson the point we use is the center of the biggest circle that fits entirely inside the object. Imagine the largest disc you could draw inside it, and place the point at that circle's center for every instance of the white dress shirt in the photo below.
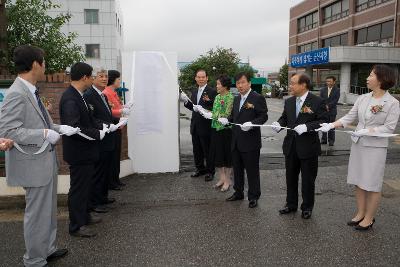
(200, 92)
(243, 99)
(30, 86)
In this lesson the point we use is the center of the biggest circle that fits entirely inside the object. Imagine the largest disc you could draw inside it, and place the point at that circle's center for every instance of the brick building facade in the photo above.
(359, 33)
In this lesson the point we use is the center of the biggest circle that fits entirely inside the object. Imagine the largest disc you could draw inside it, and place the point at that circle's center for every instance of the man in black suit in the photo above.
(98, 102)
(248, 108)
(79, 152)
(331, 95)
(200, 128)
(303, 112)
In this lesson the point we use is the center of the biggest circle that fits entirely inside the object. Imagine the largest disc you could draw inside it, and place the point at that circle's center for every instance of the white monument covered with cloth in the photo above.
(153, 128)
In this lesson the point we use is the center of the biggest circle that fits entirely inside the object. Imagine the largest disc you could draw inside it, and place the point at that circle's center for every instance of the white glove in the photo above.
(360, 133)
(52, 136)
(125, 111)
(325, 127)
(184, 97)
(223, 121)
(246, 126)
(68, 130)
(300, 129)
(128, 105)
(112, 128)
(197, 108)
(276, 126)
(207, 115)
(103, 133)
(123, 121)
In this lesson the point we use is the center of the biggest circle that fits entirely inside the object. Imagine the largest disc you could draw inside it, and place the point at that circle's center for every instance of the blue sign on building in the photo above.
(314, 57)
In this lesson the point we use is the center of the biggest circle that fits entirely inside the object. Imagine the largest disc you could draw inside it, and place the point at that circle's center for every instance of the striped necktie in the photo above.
(42, 108)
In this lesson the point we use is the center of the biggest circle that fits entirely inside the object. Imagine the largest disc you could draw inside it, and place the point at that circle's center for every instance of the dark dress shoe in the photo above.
(234, 197)
(121, 184)
(306, 214)
(354, 223)
(197, 174)
(100, 209)
(330, 144)
(94, 219)
(116, 188)
(59, 253)
(110, 200)
(365, 228)
(209, 177)
(287, 210)
(83, 232)
(323, 142)
(253, 203)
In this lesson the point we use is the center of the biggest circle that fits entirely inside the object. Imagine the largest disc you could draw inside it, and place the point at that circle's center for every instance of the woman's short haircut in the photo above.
(25, 55)
(80, 70)
(225, 81)
(112, 76)
(385, 75)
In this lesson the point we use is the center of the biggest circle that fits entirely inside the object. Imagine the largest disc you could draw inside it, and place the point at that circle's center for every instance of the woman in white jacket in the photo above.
(377, 112)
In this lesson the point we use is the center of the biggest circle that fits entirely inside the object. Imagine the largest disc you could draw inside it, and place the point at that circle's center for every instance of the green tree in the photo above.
(216, 62)
(29, 23)
(284, 76)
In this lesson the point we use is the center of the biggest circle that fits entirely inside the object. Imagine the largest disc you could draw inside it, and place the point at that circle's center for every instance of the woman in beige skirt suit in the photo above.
(376, 112)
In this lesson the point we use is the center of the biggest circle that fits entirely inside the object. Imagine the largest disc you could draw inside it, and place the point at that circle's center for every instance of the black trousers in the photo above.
(309, 170)
(99, 189)
(116, 161)
(201, 153)
(248, 161)
(331, 134)
(78, 195)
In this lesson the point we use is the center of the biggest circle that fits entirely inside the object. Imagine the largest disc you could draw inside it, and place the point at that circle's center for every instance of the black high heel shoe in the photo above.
(354, 223)
(365, 228)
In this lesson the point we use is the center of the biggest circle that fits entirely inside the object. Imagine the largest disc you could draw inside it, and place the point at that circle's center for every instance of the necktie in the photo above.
(298, 106)
(199, 93)
(329, 91)
(242, 100)
(42, 108)
(105, 102)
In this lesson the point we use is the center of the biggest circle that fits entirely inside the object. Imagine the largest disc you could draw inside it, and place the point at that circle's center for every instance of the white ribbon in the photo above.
(42, 148)
(46, 143)
(383, 135)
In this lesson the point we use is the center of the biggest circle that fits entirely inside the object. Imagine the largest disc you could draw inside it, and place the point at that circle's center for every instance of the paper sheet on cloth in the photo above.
(149, 86)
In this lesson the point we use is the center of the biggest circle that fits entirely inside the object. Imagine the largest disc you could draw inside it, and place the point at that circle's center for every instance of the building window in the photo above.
(339, 40)
(336, 11)
(307, 22)
(307, 47)
(380, 34)
(93, 51)
(365, 4)
(91, 16)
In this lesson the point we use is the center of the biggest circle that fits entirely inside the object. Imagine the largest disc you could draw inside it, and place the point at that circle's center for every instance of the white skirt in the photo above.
(367, 167)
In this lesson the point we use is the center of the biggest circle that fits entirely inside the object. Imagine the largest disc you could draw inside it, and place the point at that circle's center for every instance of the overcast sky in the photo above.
(256, 29)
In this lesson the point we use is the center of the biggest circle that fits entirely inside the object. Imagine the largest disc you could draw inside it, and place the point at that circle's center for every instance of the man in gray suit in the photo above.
(32, 162)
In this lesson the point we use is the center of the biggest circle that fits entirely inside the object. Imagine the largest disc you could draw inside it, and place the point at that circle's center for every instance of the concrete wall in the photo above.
(106, 33)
